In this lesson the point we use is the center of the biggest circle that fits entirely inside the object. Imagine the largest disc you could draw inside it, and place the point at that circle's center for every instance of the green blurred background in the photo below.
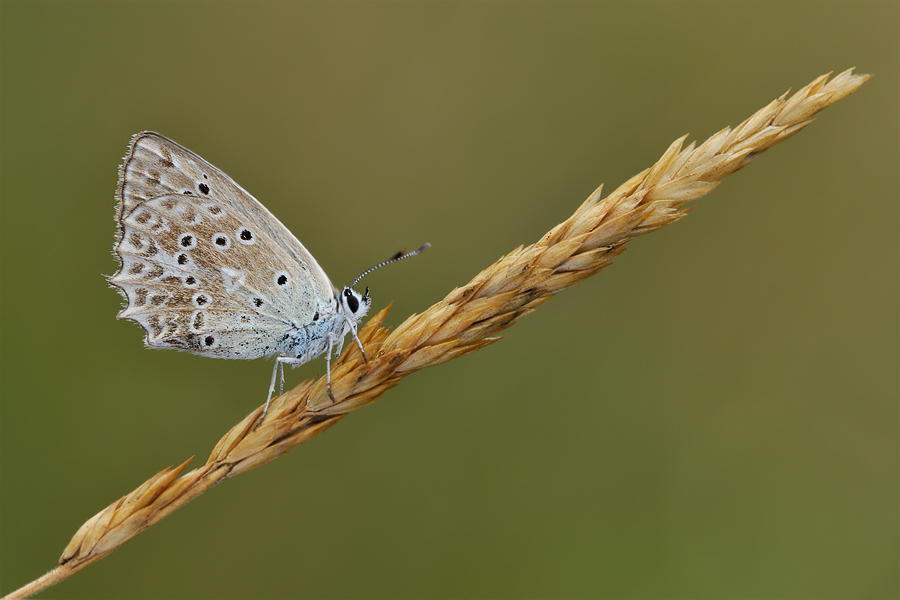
(714, 416)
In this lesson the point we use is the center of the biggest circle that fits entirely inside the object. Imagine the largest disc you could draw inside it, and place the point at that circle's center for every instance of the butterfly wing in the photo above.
(204, 266)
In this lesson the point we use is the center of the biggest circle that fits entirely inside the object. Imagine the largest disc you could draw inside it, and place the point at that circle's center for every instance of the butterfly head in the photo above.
(353, 304)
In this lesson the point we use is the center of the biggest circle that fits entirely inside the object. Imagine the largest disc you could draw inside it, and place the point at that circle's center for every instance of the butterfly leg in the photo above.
(359, 343)
(279, 368)
(278, 365)
(328, 367)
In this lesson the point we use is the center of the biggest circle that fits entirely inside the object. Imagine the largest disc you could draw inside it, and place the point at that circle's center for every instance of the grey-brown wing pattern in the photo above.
(204, 266)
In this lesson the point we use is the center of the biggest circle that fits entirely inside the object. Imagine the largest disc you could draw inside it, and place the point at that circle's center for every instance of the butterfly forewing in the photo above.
(204, 266)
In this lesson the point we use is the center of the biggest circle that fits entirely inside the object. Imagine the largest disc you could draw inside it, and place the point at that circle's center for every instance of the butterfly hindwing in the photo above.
(204, 266)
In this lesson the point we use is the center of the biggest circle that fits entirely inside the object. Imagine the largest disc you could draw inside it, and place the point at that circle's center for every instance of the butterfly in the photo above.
(206, 268)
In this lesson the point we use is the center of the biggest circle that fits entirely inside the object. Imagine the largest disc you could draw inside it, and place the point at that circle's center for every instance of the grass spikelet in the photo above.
(464, 321)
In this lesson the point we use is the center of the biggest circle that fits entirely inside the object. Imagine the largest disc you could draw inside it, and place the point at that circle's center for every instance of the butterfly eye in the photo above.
(352, 302)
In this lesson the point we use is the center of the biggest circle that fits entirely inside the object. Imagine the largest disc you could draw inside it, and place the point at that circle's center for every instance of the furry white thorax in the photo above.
(306, 342)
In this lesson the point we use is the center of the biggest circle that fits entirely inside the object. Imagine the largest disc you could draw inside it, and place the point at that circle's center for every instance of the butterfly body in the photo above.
(208, 269)
(305, 342)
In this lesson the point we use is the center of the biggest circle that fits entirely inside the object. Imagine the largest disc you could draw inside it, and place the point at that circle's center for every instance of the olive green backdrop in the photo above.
(715, 416)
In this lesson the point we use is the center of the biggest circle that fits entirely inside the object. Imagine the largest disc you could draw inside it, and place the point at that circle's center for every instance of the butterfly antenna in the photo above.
(397, 257)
